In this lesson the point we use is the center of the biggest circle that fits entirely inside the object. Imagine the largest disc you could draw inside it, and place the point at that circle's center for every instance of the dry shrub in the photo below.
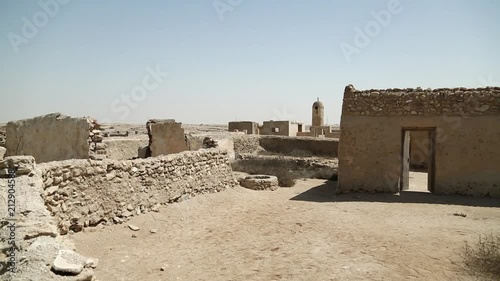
(484, 256)
(285, 177)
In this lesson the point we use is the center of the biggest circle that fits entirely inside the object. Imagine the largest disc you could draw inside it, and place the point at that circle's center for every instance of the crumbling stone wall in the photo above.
(166, 137)
(246, 144)
(37, 241)
(467, 133)
(292, 146)
(50, 137)
(124, 149)
(308, 146)
(82, 193)
(223, 141)
(299, 167)
(2, 136)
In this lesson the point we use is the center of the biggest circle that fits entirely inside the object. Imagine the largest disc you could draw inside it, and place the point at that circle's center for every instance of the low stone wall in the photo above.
(300, 146)
(300, 167)
(291, 146)
(81, 193)
(224, 141)
(124, 149)
(37, 242)
(246, 144)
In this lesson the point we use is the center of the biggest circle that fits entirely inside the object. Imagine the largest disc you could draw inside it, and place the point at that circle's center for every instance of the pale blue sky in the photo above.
(259, 60)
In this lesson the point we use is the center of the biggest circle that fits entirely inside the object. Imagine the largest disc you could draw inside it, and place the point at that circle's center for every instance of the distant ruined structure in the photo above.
(268, 128)
(288, 128)
(318, 127)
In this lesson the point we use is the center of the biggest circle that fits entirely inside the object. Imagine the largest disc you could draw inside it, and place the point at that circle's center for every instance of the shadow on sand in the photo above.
(326, 193)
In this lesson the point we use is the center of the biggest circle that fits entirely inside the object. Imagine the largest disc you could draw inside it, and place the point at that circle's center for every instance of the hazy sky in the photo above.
(234, 59)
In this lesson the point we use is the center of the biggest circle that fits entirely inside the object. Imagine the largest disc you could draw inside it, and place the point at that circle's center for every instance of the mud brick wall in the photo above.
(467, 132)
(51, 137)
(81, 193)
(166, 137)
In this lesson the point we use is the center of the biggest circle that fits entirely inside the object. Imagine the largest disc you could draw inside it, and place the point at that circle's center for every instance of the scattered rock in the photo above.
(92, 262)
(127, 214)
(153, 230)
(24, 164)
(133, 227)
(460, 215)
(69, 262)
(155, 208)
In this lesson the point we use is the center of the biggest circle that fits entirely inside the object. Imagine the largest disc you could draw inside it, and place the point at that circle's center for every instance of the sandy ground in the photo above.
(298, 233)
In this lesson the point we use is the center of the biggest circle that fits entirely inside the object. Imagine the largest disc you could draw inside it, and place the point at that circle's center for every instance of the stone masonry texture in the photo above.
(421, 102)
(81, 193)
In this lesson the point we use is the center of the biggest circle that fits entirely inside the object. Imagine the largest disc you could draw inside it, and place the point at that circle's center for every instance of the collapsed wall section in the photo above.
(83, 193)
(165, 137)
(51, 137)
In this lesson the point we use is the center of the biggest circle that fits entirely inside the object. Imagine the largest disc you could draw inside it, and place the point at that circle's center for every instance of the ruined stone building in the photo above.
(280, 128)
(269, 128)
(457, 130)
(248, 127)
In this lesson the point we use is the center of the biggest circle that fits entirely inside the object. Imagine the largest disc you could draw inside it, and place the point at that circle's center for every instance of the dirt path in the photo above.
(296, 233)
